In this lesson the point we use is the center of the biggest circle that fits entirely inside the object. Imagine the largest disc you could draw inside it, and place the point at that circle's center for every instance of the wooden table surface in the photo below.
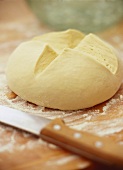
(23, 151)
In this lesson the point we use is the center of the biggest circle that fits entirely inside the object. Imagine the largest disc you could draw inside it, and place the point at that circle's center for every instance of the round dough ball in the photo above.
(70, 79)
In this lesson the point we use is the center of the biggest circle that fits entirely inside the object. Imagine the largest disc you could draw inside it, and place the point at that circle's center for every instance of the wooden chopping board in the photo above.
(23, 151)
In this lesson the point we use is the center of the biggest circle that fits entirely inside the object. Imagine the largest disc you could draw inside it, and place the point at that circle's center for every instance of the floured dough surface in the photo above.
(65, 70)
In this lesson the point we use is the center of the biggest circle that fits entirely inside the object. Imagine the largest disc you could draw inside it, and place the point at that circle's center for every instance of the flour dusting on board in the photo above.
(62, 160)
(67, 159)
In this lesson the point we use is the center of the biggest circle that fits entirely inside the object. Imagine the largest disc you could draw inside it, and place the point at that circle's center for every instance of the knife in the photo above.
(100, 149)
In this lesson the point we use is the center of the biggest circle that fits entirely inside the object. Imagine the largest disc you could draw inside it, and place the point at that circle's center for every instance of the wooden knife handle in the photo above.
(90, 146)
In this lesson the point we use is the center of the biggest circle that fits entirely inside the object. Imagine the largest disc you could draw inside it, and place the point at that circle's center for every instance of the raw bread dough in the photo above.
(65, 70)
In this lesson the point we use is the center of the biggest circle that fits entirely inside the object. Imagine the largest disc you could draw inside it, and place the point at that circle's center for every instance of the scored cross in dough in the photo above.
(61, 40)
(65, 70)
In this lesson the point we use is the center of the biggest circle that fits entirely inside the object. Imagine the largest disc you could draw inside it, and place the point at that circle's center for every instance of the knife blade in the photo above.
(100, 149)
